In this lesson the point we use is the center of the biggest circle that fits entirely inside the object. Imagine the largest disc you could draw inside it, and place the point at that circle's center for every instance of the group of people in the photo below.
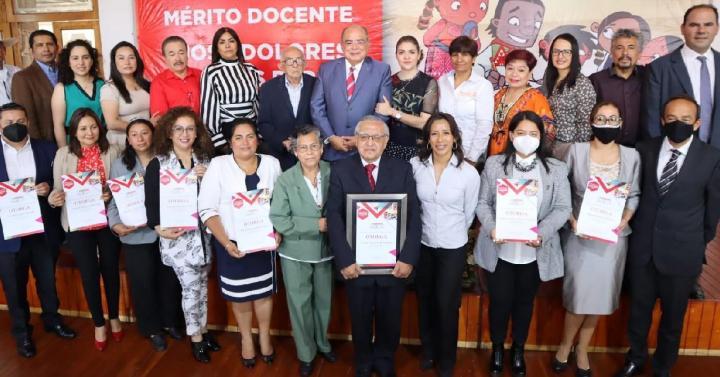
(355, 128)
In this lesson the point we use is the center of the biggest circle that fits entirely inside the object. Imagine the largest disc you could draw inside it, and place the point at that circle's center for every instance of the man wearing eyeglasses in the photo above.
(346, 90)
(284, 105)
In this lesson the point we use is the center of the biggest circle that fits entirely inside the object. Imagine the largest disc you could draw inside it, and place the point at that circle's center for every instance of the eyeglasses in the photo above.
(359, 42)
(294, 62)
(374, 138)
(311, 147)
(180, 130)
(565, 53)
(612, 120)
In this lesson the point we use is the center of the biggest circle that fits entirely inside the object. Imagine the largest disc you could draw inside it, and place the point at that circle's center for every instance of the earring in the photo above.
(454, 145)
(428, 147)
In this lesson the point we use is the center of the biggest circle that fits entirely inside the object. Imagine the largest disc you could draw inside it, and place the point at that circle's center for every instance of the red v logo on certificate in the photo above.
(81, 177)
(517, 189)
(250, 200)
(178, 178)
(14, 188)
(607, 188)
(372, 210)
(122, 182)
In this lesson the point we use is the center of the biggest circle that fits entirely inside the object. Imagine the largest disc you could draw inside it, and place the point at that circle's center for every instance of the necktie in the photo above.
(706, 103)
(669, 173)
(350, 83)
(369, 169)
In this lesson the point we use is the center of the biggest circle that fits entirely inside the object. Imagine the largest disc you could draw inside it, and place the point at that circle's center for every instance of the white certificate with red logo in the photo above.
(376, 232)
(83, 201)
(516, 210)
(251, 218)
(602, 208)
(19, 209)
(178, 199)
(128, 192)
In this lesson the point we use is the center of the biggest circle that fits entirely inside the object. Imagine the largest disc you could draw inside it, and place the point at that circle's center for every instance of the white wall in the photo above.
(117, 23)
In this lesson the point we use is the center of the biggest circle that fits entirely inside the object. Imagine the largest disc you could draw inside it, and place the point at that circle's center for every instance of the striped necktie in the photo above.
(669, 173)
(350, 83)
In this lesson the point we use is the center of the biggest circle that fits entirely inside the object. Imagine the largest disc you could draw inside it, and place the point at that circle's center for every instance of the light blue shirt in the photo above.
(294, 92)
(50, 72)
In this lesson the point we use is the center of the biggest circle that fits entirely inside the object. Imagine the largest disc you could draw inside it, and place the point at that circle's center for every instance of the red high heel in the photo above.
(117, 336)
(100, 345)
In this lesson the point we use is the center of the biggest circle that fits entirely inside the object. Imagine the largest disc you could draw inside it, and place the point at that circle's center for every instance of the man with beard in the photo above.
(623, 82)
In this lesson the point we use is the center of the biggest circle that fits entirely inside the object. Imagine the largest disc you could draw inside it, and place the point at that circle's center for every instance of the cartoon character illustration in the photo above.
(586, 44)
(601, 57)
(457, 18)
(658, 47)
(516, 24)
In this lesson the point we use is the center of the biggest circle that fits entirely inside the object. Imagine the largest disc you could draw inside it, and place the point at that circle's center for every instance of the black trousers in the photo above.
(97, 254)
(438, 283)
(19, 326)
(646, 285)
(154, 289)
(379, 300)
(36, 254)
(512, 289)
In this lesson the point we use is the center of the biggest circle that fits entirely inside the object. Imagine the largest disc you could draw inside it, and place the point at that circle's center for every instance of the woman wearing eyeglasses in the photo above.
(297, 211)
(570, 93)
(228, 87)
(594, 269)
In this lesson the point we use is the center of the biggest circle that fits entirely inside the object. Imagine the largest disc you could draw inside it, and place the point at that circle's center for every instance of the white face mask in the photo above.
(526, 144)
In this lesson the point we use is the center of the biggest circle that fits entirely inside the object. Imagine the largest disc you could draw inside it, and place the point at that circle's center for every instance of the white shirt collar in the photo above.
(357, 67)
(5, 144)
(290, 85)
(689, 53)
(666, 146)
(376, 162)
(452, 162)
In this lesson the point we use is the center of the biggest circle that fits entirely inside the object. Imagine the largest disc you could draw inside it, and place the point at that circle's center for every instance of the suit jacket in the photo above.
(666, 77)
(295, 215)
(394, 177)
(672, 231)
(330, 108)
(44, 154)
(555, 209)
(276, 121)
(33, 90)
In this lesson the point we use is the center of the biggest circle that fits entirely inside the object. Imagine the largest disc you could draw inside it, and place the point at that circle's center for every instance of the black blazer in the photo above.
(673, 230)
(44, 154)
(348, 177)
(276, 121)
(667, 77)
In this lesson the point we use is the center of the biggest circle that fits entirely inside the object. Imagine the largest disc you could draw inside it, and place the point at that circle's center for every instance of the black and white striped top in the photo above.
(228, 90)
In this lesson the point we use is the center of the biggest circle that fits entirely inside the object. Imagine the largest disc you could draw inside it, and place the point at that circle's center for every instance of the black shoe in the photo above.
(174, 333)
(579, 372)
(200, 352)
(496, 359)
(305, 369)
(329, 356)
(697, 292)
(248, 363)
(268, 359)
(158, 342)
(61, 331)
(210, 342)
(558, 366)
(629, 369)
(518, 360)
(426, 364)
(26, 348)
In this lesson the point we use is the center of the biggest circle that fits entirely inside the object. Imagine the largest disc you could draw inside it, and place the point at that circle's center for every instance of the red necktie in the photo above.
(350, 83)
(369, 169)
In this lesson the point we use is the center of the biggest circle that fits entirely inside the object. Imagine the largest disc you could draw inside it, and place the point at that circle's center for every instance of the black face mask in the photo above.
(677, 131)
(15, 132)
(606, 135)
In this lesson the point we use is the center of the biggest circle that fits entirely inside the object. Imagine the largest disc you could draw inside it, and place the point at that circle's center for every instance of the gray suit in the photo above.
(554, 213)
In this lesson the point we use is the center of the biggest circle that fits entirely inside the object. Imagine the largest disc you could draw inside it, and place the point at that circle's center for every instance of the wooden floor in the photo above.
(134, 357)
(710, 277)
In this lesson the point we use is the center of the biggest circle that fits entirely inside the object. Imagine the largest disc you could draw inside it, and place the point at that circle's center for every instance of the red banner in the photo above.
(265, 29)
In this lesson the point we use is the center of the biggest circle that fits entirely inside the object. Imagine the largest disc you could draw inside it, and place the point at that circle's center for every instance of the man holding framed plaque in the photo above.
(25, 158)
(383, 190)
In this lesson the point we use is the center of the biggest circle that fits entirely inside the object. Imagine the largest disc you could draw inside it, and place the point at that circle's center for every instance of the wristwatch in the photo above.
(397, 115)
(327, 140)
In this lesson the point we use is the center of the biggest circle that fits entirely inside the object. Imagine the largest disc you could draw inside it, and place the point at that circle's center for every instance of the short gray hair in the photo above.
(627, 33)
(374, 119)
(303, 130)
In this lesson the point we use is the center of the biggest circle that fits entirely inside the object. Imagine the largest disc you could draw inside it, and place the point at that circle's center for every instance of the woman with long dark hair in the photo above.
(447, 187)
(570, 93)
(514, 270)
(228, 87)
(126, 96)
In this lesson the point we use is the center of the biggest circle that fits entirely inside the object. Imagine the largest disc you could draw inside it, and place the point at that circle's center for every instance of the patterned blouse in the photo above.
(414, 96)
(572, 108)
(91, 160)
(532, 99)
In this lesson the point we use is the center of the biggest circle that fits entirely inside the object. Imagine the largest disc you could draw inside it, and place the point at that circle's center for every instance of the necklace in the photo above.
(504, 108)
(524, 168)
(408, 81)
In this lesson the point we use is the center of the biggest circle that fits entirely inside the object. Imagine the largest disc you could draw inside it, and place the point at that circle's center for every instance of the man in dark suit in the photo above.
(284, 106)
(23, 157)
(346, 90)
(373, 298)
(693, 69)
(675, 220)
(32, 87)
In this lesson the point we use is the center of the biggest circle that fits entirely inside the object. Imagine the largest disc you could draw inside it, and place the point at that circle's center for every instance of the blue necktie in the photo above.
(706, 103)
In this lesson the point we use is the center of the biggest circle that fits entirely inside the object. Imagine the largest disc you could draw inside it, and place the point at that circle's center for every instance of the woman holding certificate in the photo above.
(182, 147)
(524, 201)
(80, 170)
(448, 188)
(154, 288)
(606, 174)
(234, 204)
